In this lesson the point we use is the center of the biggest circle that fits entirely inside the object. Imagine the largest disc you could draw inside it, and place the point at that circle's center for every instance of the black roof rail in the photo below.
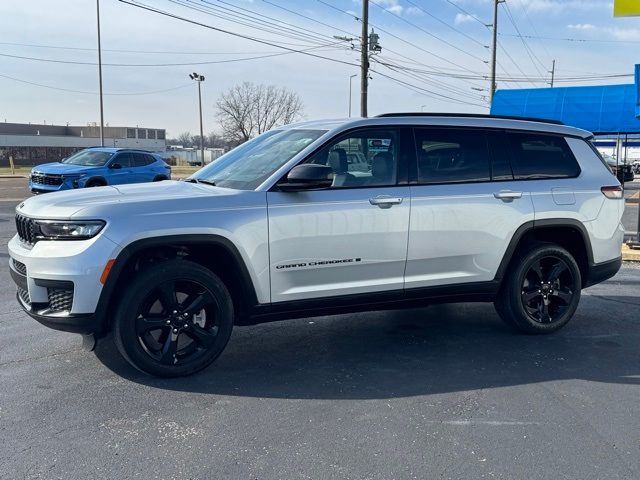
(469, 115)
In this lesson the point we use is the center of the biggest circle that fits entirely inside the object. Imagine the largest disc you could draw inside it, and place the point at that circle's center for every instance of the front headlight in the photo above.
(68, 229)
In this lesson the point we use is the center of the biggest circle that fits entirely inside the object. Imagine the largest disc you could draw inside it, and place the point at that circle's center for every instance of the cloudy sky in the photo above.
(433, 55)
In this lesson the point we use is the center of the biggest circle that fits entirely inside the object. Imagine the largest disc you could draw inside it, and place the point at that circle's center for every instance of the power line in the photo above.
(425, 91)
(239, 35)
(530, 53)
(446, 24)
(247, 20)
(163, 52)
(564, 39)
(211, 62)
(426, 32)
(151, 92)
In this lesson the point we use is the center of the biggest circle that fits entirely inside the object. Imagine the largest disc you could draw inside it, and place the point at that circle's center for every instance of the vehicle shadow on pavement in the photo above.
(433, 350)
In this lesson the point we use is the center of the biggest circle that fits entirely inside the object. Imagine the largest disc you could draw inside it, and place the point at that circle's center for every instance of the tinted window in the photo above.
(123, 159)
(138, 160)
(363, 158)
(149, 159)
(451, 156)
(542, 156)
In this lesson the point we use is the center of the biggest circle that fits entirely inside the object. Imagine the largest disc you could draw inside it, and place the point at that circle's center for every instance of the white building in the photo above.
(32, 144)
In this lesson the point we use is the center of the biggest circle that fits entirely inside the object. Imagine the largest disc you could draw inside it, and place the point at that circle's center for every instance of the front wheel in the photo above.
(174, 319)
(541, 291)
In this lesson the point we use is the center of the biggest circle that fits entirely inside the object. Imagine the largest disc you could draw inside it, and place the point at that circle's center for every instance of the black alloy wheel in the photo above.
(176, 322)
(175, 318)
(541, 289)
(547, 289)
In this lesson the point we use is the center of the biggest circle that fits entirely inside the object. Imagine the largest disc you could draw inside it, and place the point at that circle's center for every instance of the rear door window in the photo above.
(452, 156)
(538, 156)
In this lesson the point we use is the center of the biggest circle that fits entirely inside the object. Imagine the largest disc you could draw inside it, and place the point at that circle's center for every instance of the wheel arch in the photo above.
(215, 252)
(97, 179)
(568, 233)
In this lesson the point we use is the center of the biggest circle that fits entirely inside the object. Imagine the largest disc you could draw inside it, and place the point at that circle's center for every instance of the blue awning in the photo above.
(606, 109)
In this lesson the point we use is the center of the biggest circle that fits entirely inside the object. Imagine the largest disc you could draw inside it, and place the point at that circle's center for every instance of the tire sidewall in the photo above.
(125, 335)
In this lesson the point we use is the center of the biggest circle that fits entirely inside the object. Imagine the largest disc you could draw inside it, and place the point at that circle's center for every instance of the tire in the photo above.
(94, 183)
(159, 179)
(541, 290)
(174, 319)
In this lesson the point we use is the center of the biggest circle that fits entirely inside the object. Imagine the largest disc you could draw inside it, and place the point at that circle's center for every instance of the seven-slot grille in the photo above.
(44, 179)
(26, 229)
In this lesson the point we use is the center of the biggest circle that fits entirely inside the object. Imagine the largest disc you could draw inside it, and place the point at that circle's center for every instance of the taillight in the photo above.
(614, 192)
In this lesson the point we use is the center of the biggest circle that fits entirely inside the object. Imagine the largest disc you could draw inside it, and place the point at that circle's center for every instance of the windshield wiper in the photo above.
(197, 180)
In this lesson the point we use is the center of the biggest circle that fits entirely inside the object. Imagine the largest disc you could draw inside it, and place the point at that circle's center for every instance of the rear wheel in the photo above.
(175, 319)
(541, 291)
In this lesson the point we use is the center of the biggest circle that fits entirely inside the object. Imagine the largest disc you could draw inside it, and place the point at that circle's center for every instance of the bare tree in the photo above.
(247, 110)
(185, 139)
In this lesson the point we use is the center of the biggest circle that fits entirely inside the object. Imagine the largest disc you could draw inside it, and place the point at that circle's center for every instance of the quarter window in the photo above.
(542, 156)
(451, 156)
(363, 158)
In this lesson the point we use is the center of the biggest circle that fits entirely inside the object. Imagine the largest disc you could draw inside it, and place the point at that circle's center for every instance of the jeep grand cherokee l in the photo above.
(452, 208)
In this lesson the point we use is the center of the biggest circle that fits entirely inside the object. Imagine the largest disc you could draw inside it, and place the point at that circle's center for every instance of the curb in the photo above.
(630, 255)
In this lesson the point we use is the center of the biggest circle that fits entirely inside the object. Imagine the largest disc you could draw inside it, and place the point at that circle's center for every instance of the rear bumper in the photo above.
(600, 272)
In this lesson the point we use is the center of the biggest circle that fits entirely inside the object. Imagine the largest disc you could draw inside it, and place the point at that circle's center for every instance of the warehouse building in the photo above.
(32, 144)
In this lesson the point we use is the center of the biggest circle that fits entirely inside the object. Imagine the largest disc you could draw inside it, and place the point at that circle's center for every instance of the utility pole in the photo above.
(199, 79)
(553, 72)
(100, 75)
(494, 46)
(364, 59)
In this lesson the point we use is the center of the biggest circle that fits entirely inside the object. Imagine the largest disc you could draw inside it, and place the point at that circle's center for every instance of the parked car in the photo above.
(624, 171)
(99, 166)
(524, 214)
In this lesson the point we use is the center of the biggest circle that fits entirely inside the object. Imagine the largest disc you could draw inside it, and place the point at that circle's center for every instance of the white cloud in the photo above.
(581, 26)
(557, 6)
(462, 18)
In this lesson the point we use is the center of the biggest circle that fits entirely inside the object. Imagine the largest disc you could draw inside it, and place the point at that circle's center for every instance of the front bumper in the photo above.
(59, 281)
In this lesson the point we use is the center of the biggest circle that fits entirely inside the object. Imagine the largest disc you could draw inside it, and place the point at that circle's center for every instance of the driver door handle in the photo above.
(385, 201)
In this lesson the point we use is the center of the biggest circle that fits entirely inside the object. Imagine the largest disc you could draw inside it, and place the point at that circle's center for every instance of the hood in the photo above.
(129, 200)
(57, 168)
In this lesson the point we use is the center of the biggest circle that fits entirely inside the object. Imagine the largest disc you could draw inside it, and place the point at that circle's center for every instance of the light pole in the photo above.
(100, 75)
(350, 78)
(199, 79)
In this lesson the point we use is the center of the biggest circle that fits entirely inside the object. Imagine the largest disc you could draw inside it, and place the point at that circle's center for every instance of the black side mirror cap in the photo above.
(307, 176)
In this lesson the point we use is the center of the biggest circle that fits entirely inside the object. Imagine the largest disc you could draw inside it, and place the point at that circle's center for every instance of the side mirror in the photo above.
(115, 166)
(307, 176)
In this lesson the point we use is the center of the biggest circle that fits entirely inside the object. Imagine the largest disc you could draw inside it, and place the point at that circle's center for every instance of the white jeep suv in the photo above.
(450, 208)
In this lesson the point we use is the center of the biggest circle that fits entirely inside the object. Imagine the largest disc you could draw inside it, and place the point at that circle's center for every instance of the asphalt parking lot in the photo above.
(440, 392)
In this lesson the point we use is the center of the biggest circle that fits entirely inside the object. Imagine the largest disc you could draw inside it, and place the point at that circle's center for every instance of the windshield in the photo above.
(248, 165)
(88, 158)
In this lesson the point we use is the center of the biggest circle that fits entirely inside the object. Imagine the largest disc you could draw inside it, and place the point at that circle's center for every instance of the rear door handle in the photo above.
(385, 201)
(507, 195)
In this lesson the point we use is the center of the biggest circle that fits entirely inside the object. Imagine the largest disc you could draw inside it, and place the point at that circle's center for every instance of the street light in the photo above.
(199, 79)
(350, 78)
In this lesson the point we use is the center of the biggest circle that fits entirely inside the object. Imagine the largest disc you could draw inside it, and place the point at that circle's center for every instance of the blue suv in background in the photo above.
(98, 166)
